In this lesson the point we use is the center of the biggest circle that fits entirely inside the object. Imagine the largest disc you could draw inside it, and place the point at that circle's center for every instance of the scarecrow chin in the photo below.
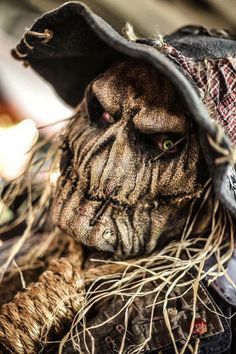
(129, 167)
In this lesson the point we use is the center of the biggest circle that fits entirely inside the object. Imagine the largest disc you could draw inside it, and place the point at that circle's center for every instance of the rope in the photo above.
(29, 319)
(42, 311)
(44, 37)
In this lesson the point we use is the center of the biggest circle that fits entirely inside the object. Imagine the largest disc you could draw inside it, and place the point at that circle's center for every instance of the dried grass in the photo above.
(34, 210)
(168, 269)
(128, 279)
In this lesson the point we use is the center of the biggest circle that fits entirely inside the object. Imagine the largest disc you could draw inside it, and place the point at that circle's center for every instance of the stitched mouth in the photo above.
(115, 199)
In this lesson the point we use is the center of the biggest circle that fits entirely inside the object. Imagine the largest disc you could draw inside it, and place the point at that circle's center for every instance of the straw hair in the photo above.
(168, 269)
(65, 294)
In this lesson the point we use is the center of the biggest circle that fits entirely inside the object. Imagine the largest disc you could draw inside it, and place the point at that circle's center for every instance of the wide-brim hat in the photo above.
(71, 45)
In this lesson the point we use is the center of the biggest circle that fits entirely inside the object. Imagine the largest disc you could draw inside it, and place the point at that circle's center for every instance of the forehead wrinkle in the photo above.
(109, 93)
(159, 121)
(115, 89)
(131, 84)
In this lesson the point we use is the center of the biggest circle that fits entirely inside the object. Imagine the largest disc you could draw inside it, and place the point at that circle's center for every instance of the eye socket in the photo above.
(166, 145)
(105, 120)
(97, 114)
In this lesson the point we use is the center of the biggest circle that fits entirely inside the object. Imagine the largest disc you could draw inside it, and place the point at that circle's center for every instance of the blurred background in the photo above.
(27, 102)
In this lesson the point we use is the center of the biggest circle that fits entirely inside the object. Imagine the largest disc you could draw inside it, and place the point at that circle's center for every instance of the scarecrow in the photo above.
(145, 189)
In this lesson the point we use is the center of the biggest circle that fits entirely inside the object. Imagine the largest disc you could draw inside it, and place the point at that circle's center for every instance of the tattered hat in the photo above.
(71, 45)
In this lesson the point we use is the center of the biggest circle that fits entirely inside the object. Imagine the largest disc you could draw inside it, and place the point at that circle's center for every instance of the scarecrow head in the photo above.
(153, 128)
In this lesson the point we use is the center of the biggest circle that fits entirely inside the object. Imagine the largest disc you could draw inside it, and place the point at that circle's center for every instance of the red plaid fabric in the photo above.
(216, 81)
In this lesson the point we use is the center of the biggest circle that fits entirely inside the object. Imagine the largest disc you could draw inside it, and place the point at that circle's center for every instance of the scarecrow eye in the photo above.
(167, 145)
(105, 120)
(97, 114)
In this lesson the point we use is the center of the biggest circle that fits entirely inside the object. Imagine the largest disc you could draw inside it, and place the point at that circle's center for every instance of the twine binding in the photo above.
(29, 319)
(44, 37)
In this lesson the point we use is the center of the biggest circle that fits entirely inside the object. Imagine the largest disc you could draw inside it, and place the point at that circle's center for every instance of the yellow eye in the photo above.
(167, 144)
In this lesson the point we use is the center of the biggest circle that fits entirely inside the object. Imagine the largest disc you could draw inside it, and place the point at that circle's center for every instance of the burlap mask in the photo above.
(131, 164)
(116, 193)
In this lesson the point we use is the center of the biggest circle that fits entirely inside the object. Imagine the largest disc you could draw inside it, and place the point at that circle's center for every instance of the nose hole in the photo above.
(134, 112)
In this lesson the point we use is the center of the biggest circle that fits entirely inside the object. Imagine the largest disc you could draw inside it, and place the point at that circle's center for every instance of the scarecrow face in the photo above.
(130, 164)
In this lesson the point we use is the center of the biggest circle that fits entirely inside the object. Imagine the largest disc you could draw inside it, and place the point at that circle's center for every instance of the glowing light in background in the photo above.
(15, 143)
